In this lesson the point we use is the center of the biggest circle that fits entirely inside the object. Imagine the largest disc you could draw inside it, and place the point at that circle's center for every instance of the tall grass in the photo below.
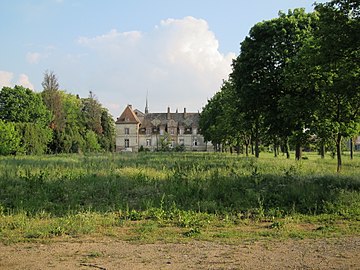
(201, 182)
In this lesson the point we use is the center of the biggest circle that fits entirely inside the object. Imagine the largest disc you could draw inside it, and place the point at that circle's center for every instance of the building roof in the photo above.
(128, 116)
(176, 119)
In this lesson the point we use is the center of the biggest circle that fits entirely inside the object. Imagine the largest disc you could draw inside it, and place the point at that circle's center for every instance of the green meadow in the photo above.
(176, 196)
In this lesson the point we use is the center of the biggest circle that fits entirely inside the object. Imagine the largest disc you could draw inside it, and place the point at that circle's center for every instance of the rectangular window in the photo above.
(148, 142)
(181, 141)
(195, 142)
(172, 132)
(127, 131)
(127, 143)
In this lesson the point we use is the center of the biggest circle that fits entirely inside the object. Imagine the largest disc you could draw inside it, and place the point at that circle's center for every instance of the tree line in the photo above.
(296, 79)
(52, 121)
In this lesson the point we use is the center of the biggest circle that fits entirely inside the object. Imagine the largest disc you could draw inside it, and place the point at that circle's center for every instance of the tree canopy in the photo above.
(52, 121)
(296, 79)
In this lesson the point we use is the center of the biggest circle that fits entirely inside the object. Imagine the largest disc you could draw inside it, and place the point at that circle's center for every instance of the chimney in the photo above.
(185, 113)
(168, 113)
(130, 106)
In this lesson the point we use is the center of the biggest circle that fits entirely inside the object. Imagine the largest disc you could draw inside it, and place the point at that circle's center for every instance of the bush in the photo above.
(9, 138)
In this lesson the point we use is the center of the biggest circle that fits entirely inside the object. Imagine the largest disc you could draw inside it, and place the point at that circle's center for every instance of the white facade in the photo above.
(153, 131)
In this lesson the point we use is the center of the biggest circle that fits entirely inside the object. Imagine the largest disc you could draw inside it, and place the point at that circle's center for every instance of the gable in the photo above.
(127, 117)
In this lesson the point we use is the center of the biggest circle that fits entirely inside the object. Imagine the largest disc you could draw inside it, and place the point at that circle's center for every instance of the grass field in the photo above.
(176, 196)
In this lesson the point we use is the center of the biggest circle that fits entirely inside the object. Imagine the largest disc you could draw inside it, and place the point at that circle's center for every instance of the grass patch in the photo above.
(176, 197)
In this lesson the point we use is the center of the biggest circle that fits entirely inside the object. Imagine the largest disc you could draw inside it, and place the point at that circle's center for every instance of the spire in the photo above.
(146, 106)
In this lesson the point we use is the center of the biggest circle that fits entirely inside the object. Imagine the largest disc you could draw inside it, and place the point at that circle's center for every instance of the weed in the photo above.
(70, 195)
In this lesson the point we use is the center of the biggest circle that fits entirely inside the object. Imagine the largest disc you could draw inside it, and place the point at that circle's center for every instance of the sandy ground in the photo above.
(339, 253)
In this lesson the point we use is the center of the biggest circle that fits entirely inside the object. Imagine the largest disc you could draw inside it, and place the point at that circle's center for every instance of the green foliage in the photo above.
(20, 104)
(53, 121)
(92, 112)
(91, 142)
(296, 79)
(34, 138)
(107, 138)
(9, 138)
(31, 117)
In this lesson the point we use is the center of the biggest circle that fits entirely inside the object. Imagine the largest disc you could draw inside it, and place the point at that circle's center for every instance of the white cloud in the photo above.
(25, 82)
(6, 79)
(33, 57)
(178, 62)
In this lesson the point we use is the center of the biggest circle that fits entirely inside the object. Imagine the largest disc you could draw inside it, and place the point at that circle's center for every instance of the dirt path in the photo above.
(342, 253)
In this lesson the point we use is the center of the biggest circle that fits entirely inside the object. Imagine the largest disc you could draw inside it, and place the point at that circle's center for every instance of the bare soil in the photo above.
(108, 253)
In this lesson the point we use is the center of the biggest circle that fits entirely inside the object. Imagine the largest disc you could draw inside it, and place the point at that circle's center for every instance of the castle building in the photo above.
(153, 131)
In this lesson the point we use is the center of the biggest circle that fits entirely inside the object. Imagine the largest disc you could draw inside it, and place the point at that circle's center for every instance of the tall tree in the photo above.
(92, 111)
(50, 81)
(26, 108)
(21, 104)
(107, 139)
(52, 99)
(259, 71)
(337, 54)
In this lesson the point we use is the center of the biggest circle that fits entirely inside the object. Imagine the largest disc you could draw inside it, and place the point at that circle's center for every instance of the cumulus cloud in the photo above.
(24, 81)
(36, 57)
(6, 79)
(178, 62)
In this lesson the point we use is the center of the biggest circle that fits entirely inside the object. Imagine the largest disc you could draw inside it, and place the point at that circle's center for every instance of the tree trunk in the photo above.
(238, 149)
(338, 152)
(286, 148)
(298, 151)
(351, 148)
(247, 149)
(275, 150)
(257, 150)
(322, 149)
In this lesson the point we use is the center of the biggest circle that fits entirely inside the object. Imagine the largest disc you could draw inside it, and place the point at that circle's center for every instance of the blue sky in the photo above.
(177, 51)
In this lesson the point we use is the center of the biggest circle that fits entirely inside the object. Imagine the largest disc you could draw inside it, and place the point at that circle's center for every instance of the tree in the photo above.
(75, 129)
(50, 82)
(92, 112)
(259, 71)
(9, 138)
(213, 120)
(52, 99)
(20, 104)
(30, 116)
(34, 138)
(337, 54)
(91, 140)
(107, 138)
